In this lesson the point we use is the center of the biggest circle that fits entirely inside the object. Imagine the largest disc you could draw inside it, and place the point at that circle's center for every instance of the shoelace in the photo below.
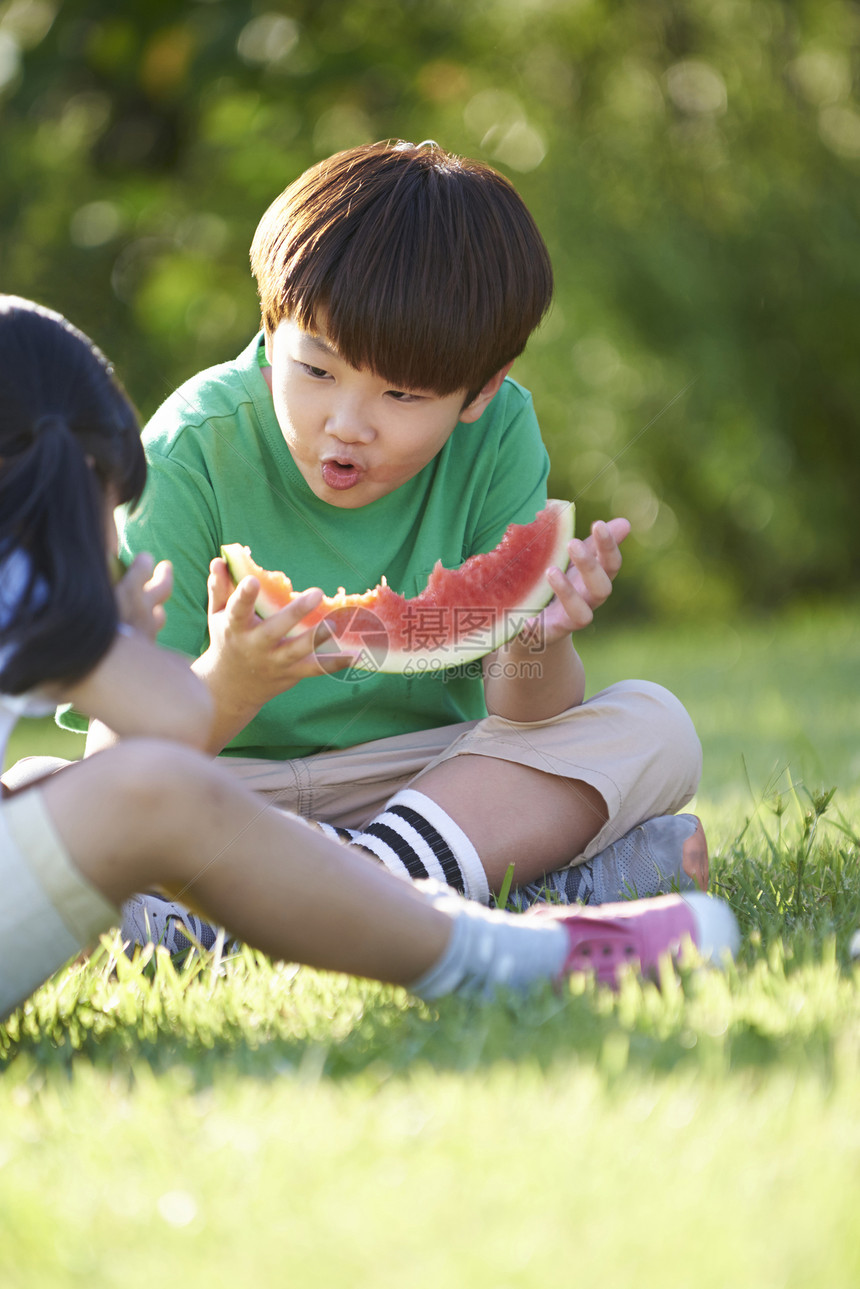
(202, 932)
(567, 887)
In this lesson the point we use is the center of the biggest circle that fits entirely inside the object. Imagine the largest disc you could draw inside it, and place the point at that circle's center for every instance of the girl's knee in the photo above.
(149, 774)
(127, 815)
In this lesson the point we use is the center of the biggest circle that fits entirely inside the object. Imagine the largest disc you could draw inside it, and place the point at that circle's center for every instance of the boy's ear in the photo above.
(478, 405)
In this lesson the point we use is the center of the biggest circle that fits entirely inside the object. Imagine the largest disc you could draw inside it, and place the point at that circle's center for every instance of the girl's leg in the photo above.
(150, 812)
(146, 814)
(171, 817)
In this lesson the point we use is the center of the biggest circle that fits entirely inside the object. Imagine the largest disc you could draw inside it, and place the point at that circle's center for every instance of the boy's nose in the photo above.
(349, 423)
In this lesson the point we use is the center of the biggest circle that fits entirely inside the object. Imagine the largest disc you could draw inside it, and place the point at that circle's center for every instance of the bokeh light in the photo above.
(693, 168)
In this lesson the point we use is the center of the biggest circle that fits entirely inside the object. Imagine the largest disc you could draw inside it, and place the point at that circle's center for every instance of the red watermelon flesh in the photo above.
(460, 615)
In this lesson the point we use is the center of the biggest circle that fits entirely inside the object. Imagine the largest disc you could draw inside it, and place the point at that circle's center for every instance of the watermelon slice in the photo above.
(460, 615)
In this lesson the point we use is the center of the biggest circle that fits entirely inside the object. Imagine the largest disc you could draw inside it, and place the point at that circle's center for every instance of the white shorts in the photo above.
(48, 910)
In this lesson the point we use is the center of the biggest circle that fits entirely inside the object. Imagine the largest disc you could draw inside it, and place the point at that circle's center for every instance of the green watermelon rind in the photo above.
(414, 661)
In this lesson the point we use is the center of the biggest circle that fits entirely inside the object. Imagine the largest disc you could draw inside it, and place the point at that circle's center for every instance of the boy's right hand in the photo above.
(250, 659)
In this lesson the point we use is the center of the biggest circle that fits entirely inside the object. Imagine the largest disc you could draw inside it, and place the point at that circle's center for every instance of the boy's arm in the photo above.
(533, 680)
(539, 674)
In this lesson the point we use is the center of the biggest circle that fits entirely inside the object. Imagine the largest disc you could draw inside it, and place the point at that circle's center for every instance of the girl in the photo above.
(153, 810)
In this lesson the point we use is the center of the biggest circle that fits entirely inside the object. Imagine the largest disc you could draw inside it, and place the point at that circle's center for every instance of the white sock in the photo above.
(416, 838)
(488, 949)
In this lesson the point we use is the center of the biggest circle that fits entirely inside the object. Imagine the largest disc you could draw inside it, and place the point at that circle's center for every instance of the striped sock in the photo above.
(416, 838)
(336, 833)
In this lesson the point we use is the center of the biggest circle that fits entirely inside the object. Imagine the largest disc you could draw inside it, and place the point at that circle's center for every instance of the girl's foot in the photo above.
(637, 933)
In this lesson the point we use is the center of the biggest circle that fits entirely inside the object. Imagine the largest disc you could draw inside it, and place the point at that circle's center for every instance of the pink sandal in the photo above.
(637, 933)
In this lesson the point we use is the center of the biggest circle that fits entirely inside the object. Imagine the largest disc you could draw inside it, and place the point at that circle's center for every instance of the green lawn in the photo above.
(245, 1123)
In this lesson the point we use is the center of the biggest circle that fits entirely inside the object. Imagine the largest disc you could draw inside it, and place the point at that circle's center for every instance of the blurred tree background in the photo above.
(693, 166)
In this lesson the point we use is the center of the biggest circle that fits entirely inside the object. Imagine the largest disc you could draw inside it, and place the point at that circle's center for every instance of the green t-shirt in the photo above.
(220, 472)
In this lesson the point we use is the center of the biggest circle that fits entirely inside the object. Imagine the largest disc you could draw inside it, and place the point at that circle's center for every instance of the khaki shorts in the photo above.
(633, 742)
(48, 911)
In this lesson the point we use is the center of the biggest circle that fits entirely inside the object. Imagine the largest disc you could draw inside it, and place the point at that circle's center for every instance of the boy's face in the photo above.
(353, 437)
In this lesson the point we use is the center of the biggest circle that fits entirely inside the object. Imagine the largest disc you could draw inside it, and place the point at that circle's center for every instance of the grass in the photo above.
(242, 1123)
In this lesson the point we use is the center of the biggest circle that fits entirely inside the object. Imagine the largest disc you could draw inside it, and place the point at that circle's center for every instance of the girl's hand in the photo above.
(142, 592)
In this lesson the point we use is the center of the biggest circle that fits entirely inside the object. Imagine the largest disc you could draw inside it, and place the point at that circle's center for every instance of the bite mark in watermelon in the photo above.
(462, 613)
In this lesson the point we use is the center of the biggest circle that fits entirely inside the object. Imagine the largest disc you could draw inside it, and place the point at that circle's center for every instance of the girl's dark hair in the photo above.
(68, 433)
(425, 267)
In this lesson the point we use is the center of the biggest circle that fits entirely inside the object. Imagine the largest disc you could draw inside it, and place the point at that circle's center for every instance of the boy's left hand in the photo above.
(594, 564)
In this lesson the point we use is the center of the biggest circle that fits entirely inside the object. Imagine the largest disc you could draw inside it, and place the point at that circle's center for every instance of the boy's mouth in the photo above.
(341, 474)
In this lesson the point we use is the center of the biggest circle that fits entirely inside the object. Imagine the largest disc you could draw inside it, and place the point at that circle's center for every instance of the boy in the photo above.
(372, 428)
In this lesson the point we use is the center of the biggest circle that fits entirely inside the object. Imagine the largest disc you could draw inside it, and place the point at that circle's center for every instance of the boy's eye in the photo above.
(402, 395)
(318, 372)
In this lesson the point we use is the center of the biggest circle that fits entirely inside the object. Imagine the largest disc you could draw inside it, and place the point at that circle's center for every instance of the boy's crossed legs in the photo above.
(598, 785)
(577, 788)
(446, 824)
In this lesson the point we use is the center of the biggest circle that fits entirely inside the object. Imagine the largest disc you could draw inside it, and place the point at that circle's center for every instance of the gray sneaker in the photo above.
(149, 919)
(668, 853)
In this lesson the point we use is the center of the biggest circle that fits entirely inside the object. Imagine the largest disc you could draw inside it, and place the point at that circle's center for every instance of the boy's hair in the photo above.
(67, 433)
(424, 267)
